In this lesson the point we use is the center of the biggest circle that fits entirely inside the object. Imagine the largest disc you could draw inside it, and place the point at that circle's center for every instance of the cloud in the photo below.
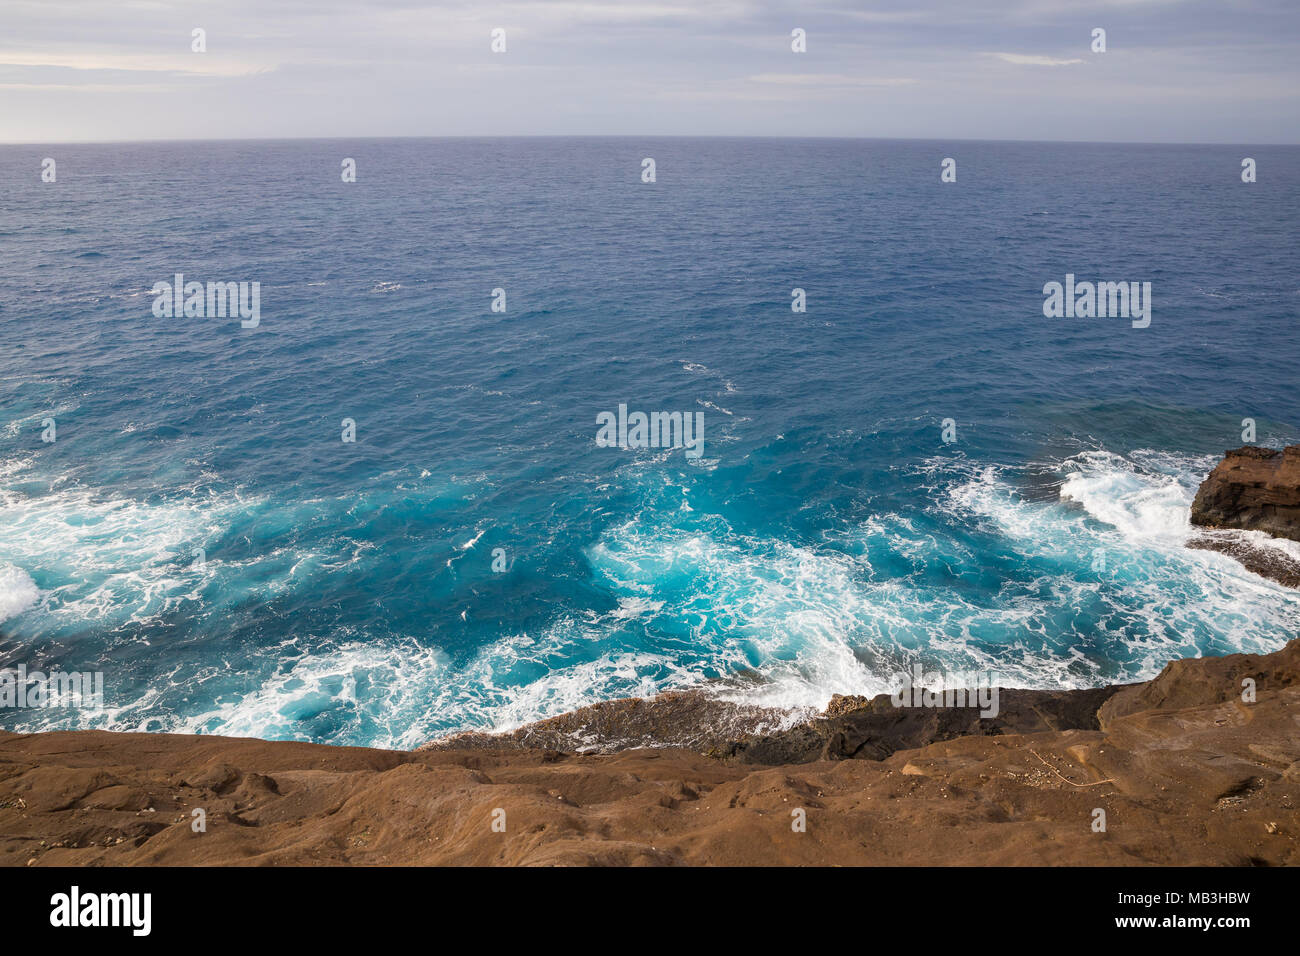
(87, 87)
(828, 79)
(1032, 59)
(84, 69)
(197, 63)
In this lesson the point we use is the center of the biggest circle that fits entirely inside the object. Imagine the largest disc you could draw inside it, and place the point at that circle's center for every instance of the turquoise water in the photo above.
(825, 539)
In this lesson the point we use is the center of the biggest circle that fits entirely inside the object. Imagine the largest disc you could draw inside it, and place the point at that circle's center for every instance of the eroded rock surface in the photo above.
(1253, 489)
(1187, 770)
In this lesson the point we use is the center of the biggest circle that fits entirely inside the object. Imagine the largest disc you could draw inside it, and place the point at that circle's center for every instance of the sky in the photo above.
(1186, 71)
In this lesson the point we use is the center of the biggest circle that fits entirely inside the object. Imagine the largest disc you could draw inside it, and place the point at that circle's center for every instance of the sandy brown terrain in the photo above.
(1186, 771)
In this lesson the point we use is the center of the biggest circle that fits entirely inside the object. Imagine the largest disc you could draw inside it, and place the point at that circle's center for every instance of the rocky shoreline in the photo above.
(1199, 766)
(851, 728)
(1252, 490)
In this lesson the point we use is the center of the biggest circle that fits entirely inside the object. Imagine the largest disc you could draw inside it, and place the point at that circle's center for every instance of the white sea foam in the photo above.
(1142, 502)
(18, 591)
(1160, 598)
(368, 692)
(109, 560)
(372, 691)
(847, 617)
(753, 605)
(1147, 497)
(10, 467)
(984, 579)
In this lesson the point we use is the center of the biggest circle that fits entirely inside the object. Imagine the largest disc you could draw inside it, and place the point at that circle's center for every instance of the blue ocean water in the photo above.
(826, 540)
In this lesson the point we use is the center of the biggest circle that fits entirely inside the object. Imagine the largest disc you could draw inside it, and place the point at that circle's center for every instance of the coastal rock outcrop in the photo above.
(855, 728)
(1253, 489)
(851, 727)
(1205, 682)
(682, 718)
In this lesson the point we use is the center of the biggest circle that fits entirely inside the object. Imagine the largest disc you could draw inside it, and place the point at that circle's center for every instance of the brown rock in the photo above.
(1265, 561)
(1253, 489)
(1200, 682)
(854, 728)
(1188, 774)
(688, 718)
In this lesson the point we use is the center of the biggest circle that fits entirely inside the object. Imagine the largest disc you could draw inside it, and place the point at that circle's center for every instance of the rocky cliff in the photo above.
(1253, 489)
(1200, 766)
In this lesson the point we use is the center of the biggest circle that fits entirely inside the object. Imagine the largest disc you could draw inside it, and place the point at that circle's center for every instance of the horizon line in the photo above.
(700, 136)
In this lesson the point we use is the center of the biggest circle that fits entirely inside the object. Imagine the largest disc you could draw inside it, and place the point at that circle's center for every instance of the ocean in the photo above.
(199, 531)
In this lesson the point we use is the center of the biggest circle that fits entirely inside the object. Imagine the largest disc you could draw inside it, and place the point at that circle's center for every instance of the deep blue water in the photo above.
(827, 538)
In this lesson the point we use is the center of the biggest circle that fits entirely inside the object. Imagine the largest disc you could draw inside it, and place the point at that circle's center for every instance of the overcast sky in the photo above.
(1218, 71)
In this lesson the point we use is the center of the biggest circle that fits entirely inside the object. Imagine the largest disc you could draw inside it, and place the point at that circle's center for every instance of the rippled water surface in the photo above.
(826, 539)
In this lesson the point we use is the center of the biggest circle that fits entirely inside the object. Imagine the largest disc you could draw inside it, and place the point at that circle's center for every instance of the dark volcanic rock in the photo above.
(1253, 489)
(854, 728)
(1265, 561)
(851, 728)
(689, 719)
